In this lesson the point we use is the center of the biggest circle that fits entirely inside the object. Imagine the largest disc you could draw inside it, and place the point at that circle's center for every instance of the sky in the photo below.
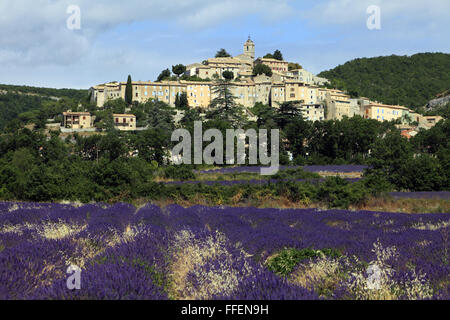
(41, 43)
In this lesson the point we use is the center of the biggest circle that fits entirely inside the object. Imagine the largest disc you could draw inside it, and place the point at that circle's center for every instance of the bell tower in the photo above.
(249, 48)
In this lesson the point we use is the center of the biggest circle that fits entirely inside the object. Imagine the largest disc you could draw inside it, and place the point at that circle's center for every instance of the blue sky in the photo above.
(142, 38)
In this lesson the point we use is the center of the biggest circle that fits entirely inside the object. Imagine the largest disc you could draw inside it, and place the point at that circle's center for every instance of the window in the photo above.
(117, 120)
(124, 120)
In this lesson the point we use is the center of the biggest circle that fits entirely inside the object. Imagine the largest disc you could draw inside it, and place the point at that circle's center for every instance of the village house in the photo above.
(124, 122)
(77, 120)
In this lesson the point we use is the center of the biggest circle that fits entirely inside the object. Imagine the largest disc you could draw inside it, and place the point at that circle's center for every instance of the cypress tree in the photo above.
(129, 91)
(177, 101)
(184, 102)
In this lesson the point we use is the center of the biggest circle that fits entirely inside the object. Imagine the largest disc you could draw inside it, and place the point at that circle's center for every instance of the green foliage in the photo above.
(406, 80)
(179, 69)
(129, 91)
(277, 55)
(339, 193)
(223, 107)
(116, 105)
(181, 101)
(164, 75)
(262, 69)
(228, 75)
(286, 260)
(421, 164)
(182, 173)
(422, 173)
(222, 53)
(294, 66)
(75, 94)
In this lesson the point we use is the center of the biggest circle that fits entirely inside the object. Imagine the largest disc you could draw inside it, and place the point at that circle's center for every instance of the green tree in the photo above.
(129, 91)
(164, 75)
(179, 69)
(228, 75)
(262, 69)
(294, 66)
(223, 106)
(222, 53)
(278, 55)
(181, 101)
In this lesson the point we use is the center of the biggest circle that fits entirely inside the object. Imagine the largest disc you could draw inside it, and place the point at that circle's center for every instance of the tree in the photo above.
(152, 144)
(228, 75)
(222, 53)
(277, 55)
(223, 106)
(116, 105)
(294, 66)
(160, 115)
(181, 101)
(268, 56)
(129, 91)
(189, 117)
(262, 69)
(164, 75)
(288, 112)
(179, 69)
(265, 114)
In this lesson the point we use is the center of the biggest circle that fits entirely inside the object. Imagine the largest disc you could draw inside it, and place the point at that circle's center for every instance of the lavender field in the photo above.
(221, 253)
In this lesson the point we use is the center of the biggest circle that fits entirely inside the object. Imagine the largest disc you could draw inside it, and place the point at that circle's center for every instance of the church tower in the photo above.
(249, 48)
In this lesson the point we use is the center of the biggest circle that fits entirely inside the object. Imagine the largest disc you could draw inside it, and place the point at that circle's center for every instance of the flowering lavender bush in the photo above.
(220, 253)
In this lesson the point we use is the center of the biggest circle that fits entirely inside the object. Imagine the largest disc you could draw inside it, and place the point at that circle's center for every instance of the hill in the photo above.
(406, 80)
(45, 92)
(29, 103)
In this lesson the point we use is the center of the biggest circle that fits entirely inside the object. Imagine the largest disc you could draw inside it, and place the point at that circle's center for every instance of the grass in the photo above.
(404, 205)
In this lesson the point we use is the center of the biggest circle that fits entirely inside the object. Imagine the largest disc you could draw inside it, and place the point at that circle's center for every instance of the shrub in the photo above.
(285, 262)
(179, 173)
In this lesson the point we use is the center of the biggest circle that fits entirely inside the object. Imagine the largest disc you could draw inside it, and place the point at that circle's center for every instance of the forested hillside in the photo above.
(406, 80)
(47, 92)
(31, 104)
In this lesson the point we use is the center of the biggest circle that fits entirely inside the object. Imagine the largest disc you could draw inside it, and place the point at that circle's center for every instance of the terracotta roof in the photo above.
(76, 114)
(124, 115)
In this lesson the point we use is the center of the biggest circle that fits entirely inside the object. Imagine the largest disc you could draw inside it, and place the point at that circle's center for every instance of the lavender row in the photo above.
(315, 168)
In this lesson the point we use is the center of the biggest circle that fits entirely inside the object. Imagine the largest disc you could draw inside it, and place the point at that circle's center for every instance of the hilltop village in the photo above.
(268, 80)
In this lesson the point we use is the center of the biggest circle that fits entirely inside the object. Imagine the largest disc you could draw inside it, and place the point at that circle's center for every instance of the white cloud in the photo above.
(35, 31)
(35, 43)
(347, 12)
